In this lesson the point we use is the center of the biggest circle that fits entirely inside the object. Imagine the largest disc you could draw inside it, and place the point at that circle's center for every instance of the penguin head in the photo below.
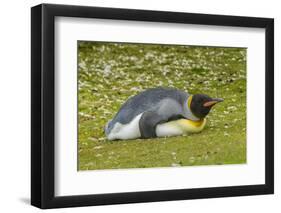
(201, 104)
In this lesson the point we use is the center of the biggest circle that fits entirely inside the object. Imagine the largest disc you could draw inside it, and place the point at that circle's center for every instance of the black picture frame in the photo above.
(43, 105)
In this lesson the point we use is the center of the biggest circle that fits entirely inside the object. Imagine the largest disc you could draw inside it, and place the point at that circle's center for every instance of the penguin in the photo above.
(160, 112)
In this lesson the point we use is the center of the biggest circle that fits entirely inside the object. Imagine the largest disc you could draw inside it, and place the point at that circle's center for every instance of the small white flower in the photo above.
(97, 147)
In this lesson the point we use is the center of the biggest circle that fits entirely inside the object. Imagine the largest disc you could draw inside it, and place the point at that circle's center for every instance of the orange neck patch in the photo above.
(189, 101)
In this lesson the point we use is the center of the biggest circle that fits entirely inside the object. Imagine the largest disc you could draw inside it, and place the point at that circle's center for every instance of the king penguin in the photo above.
(160, 112)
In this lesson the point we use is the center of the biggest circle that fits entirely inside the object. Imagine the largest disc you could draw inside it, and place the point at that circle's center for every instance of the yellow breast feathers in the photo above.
(180, 127)
(189, 126)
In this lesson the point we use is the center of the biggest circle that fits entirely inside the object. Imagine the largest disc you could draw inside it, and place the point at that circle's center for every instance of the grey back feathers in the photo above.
(168, 103)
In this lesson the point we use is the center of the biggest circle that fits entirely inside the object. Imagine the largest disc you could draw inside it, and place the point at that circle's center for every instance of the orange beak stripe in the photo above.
(210, 103)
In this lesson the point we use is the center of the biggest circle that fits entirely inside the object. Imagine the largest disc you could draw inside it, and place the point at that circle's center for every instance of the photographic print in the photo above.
(155, 101)
(159, 105)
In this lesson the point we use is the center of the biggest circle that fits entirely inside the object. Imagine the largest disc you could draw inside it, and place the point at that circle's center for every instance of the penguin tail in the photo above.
(107, 128)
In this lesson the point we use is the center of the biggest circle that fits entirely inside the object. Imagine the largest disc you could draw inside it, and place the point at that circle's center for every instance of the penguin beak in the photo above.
(212, 102)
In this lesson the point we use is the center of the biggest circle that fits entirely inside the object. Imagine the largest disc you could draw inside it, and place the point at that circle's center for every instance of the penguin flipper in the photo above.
(147, 124)
(150, 119)
(167, 110)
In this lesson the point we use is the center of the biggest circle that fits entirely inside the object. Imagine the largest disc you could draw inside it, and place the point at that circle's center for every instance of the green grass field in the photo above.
(111, 73)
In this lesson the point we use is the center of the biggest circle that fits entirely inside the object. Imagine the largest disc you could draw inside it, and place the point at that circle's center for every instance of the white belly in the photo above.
(172, 128)
(126, 131)
(166, 129)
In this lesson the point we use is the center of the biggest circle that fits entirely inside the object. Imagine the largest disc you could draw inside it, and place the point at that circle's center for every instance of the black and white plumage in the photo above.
(154, 113)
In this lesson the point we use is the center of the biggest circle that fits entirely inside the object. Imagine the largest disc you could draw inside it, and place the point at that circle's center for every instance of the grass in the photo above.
(110, 73)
